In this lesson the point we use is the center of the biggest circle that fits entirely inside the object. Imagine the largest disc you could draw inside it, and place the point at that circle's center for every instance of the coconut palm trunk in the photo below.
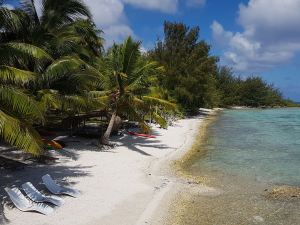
(128, 76)
(104, 140)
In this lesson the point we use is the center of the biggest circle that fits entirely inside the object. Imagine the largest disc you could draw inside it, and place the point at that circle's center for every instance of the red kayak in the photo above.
(53, 144)
(141, 135)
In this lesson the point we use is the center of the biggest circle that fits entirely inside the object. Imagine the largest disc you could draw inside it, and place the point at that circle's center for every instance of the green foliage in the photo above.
(290, 103)
(55, 61)
(56, 13)
(17, 112)
(26, 56)
(9, 20)
(190, 71)
(127, 78)
(12, 75)
(252, 92)
(255, 92)
(44, 65)
(229, 87)
(16, 102)
(19, 134)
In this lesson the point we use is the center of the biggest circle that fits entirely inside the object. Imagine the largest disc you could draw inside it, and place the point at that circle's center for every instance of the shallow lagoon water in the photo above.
(246, 154)
(263, 144)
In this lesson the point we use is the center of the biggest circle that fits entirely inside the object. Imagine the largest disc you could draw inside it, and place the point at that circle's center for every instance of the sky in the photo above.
(253, 37)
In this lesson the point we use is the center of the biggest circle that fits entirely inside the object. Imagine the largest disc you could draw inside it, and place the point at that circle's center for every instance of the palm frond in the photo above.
(85, 81)
(166, 105)
(160, 120)
(12, 75)
(56, 12)
(9, 20)
(23, 54)
(61, 67)
(97, 94)
(134, 114)
(76, 103)
(143, 72)
(49, 99)
(20, 134)
(130, 53)
(140, 104)
(13, 101)
(29, 49)
(99, 103)
(85, 34)
(69, 65)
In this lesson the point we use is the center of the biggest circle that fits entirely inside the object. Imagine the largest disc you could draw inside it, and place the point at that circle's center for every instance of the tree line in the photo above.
(54, 65)
(194, 79)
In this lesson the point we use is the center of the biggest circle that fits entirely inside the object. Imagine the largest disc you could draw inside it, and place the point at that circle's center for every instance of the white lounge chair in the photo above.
(37, 196)
(24, 204)
(56, 189)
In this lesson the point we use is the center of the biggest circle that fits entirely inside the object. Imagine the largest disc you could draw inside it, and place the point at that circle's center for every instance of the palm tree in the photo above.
(62, 28)
(65, 84)
(28, 72)
(127, 78)
(18, 110)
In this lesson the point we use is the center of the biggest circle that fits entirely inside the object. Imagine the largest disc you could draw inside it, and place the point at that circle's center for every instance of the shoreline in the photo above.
(171, 168)
(183, 182)
(232, 199)
(125, 185)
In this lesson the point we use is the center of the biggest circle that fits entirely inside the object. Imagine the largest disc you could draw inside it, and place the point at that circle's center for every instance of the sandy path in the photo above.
(122, 186)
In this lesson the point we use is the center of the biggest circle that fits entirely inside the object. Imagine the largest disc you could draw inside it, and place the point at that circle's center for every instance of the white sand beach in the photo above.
(124, 185)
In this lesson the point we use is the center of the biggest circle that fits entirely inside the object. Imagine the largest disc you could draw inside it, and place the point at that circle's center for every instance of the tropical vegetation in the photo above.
(54, 64)
(127, 78)
(190, 76)
(252, 91)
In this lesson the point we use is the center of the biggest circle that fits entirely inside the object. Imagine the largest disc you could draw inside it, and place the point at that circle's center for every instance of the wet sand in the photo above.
(209, 196)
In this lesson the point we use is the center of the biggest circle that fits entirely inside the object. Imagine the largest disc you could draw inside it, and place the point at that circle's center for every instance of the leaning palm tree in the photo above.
(127, 77)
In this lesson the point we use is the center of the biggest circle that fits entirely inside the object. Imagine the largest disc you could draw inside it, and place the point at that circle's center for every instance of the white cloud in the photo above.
(106, 12)
(196, 2)
(221, 36)
(143, 49)
(109, 15)
(271, 35)
(117, 33)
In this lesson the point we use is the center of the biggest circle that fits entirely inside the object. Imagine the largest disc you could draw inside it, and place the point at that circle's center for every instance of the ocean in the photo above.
(247, 154)
(262, 144)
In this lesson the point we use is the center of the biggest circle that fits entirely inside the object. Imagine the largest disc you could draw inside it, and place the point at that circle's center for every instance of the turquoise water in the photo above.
(262, 144)
(246, 154)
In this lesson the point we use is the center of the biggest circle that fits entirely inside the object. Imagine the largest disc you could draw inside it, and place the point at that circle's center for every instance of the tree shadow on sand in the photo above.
(74, 146)
(134, 143)
(139, 144)
(33, 173)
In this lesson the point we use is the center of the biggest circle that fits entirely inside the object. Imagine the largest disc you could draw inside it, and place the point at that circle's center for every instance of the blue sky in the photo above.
(260, 37)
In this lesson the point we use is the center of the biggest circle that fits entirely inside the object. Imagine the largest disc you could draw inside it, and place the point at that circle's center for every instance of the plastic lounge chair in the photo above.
(56, 189)
(37, 196)
(24, 204)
